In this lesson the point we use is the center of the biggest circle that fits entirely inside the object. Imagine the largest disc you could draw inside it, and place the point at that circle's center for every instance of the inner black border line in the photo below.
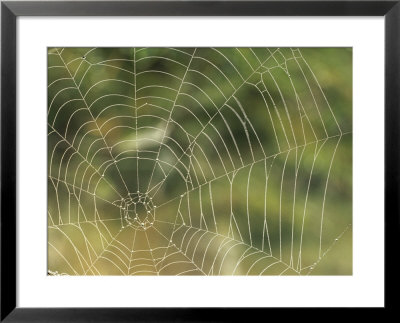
(10, 10)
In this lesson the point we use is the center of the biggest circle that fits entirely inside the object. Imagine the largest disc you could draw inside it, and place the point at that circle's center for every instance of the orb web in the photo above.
(192, 161)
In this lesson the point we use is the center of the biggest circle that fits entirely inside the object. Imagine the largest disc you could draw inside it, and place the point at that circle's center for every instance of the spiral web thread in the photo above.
(184, 161)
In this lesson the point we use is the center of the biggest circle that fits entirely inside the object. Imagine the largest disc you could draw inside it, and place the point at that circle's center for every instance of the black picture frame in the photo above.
(11, 10)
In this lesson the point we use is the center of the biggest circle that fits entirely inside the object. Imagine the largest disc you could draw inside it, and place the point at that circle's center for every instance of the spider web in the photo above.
(184, 161)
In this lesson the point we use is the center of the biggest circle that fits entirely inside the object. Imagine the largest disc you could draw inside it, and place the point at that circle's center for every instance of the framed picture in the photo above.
(147, 144)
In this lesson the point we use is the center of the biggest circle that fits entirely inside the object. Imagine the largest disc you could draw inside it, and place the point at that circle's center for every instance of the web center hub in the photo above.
(138, 210)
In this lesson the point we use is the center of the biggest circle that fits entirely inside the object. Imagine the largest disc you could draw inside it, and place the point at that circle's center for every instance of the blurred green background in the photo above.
(207, 161)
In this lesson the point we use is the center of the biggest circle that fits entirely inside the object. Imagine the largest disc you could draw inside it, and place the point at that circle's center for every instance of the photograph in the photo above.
(254, 142)
(199, 161)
